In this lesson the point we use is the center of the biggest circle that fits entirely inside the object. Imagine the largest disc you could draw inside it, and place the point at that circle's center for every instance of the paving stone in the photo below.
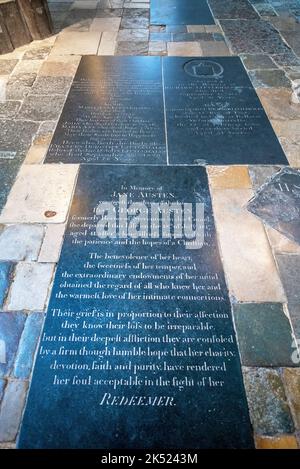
(269, 79)
(9, 109)
(5, 278)
(108, 43)
(269, 410)
(36, 154)
(8, 173)
(162, 36)
(132, 48)
(280, 243)
(229, 177)
(232, 9)
(277, 103)
(45, 133)
(276, 442)
(158, 48)
(136, 5)
(154, 28)
(293, 39)
(12, 148)
(289, 134)
(2, 387)
(249, 264)
(84, 4)
(27, 346)
(24, 294)
(11, 409)
(183, 37)
(37, 53)
(109, 13)
(291, 380)
(78, 20)
(28, 66)
(287, 59)
(181, 28)
(135, 18)
(52, 243)
(258, 62)
(11, 327)
(212, 28)
(289, 269)
(184, 49)
(21, 242)
(260, 174)
(19, 86)
(214, 48)
(51, 85)
(77, 43)
(105, 24)
(41, 108)
(60, 66)
(7, 66)
(263, 9)
(260, 344)
(253, 37)
(41, 194)
(138, 35)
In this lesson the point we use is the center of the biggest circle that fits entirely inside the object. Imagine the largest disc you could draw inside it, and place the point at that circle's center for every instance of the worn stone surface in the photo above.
(37, 53)
(135, 18)
(184, 49)
(214, 49)
(132, 48)
(11, 327)
(260, 344)
(269, 410)
(108, 43)
(157, 48)
(21, 242)
(41, 108)
(12, 148)
(6, 269)
(291, 380)
(277, 103)
(258, 62)
(232, 9)
(280, 243)
(289, 133)
(70, 43)
(11, 409)
(276, 442)
(248, 261)
(261, 174)
(229, 177)
(133, 35)
(289, 268)
(24, 294)
(44, 134)
(19, 86)
(41, 194)
(27, 66)
(100, 25)
(269, 79)
(36, 154)
(7, 66)
(60, 66)
(27, 345)
(51, 247)
(9, 109)
(51, 86)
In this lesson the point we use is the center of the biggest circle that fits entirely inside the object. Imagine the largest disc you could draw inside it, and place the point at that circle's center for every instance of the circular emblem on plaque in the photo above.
(203, 69)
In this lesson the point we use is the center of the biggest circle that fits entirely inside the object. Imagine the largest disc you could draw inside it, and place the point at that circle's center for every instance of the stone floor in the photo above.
(262, 267)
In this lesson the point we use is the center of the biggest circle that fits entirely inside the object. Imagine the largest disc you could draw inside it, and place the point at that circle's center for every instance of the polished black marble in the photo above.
(177, 12)
(138, 348)
(214, 115)
(113, 113)
(277, 202)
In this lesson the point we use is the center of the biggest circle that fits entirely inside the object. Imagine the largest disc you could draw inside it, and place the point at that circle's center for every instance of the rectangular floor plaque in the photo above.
(138, 348)
(171, 110)
(175, 12)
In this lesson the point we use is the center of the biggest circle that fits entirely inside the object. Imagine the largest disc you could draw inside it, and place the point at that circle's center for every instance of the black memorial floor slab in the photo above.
(138, 348)
(175, 12)
(171, 110)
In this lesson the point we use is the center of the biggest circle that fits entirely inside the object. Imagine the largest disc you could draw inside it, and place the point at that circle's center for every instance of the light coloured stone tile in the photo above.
(27, 66)
(229, 177)
(277, 103)
(36, 154)
(249, 265)
(214, 49)
(41, 194)
(65, 66)
(11, 410)
(195, 28)
(288, 132)
(212, 28)
(144, 5)
(133, 35)
(29, 290)
(108, 43)
(105, 24)
(280, 243)
(51, 246)
(77, 43)
(21, 242)
(188, 49)
(157, 48)
(276, 442)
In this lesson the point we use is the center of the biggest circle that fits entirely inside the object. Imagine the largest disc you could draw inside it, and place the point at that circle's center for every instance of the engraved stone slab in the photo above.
(214, 115)
(138, 349)
(114, 113)
(175, 12)
(277, 202)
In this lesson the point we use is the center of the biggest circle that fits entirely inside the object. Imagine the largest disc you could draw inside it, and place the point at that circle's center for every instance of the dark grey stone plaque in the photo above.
(277, 202)
(138, 348)
(208, 113)
(113, 114)
(214, 115)
(175, 12)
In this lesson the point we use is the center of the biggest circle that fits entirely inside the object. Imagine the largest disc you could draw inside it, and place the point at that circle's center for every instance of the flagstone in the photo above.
(45, 133)
(269, 79)
(289, 269)
(260, 174)
(24, 294)
(276, 442)
(41, 194)
(36, 154)
(60, 66)
(41, 107)
(258, 62)
(108, 43)
(51, 85)
(105, 24)
(21, 242)
(248, 261)
(280, 243)
(18, 86)
(229, 177)
(277, 103)
(52, 243)
(28, 66)
(9, 109)
(291, 380)
(269, 410)
(11, 409)
(12, 148)
(132, 48)
(6, 269)
(7, 66)
(214, 49)
(184, 49)
(77, 43)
